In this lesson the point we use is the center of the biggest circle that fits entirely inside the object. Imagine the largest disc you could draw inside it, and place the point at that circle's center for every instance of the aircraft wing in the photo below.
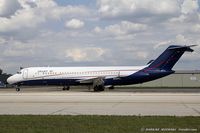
(91, 80)
(95, 79)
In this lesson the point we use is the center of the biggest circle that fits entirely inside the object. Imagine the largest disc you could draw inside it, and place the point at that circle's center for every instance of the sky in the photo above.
(96, 32)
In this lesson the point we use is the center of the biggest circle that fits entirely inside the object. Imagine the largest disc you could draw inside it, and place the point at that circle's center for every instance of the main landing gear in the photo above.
(66, 88)
(99, 88)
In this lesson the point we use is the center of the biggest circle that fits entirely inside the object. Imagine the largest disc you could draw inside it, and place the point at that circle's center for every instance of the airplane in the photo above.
(100, 77)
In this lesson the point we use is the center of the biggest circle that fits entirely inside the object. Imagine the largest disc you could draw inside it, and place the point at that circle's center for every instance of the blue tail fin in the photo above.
(169, 57)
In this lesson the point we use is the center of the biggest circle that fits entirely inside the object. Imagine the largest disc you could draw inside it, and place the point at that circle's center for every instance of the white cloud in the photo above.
(18, 49)
(181, 18)
(123, 28)
(2, 41)
(116, 8)
(74, 24)
(85, 54)
(32, 16)
(189, 13)
(180, 39)
(162, 43)
(195, 28)
(189, 6)
(142, 54)
(8, 7)
(97, 29)
(23, 19)
(44, 3)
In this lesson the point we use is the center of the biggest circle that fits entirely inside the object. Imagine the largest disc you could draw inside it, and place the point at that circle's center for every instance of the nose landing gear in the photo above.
(17, 87)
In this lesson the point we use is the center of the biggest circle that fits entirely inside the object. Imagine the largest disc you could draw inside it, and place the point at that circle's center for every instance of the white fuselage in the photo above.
(81, 73)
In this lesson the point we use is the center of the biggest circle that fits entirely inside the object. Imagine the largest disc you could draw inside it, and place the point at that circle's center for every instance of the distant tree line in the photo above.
(4, 76)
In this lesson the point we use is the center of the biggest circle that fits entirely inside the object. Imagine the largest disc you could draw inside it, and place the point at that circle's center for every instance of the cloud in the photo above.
(180, 39)
(85, 54)
(142, 54)
(123, 28)
(189, 6)
(140, 8)
(8, 7)
(189, 13)
(2, 41)
(195, 28)
(22, 19)
(33, 16)
(180, 18)
(16, 48)
(162, 43)
(74, 24)
(97, 29)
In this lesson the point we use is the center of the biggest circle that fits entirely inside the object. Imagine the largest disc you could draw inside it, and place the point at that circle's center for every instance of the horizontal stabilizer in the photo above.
(184, 48)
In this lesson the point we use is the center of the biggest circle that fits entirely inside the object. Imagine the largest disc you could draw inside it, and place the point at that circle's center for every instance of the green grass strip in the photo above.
(97, 124)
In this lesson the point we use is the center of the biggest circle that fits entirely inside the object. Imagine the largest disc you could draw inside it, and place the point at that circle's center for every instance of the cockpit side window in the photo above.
(19, 72)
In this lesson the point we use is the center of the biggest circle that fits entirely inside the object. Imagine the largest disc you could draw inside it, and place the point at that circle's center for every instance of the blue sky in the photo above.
(96, 32)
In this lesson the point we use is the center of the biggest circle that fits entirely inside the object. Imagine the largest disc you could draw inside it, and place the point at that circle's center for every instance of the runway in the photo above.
(103, 103)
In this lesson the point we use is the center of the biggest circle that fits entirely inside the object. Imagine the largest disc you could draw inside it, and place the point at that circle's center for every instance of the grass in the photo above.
(96, 124)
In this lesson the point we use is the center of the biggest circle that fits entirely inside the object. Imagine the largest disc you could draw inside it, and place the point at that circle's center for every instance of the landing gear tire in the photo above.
(66, 88)
(111, 88)
(98, 88)
(17, 89)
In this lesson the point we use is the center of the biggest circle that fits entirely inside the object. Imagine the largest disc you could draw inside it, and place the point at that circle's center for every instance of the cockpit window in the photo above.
(19, 72)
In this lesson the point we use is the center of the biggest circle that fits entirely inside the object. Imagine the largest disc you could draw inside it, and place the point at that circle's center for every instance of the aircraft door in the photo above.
(119, 73)
(25, 73)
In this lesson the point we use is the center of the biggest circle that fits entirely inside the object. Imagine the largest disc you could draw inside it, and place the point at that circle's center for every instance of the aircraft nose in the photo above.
(11, 80)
